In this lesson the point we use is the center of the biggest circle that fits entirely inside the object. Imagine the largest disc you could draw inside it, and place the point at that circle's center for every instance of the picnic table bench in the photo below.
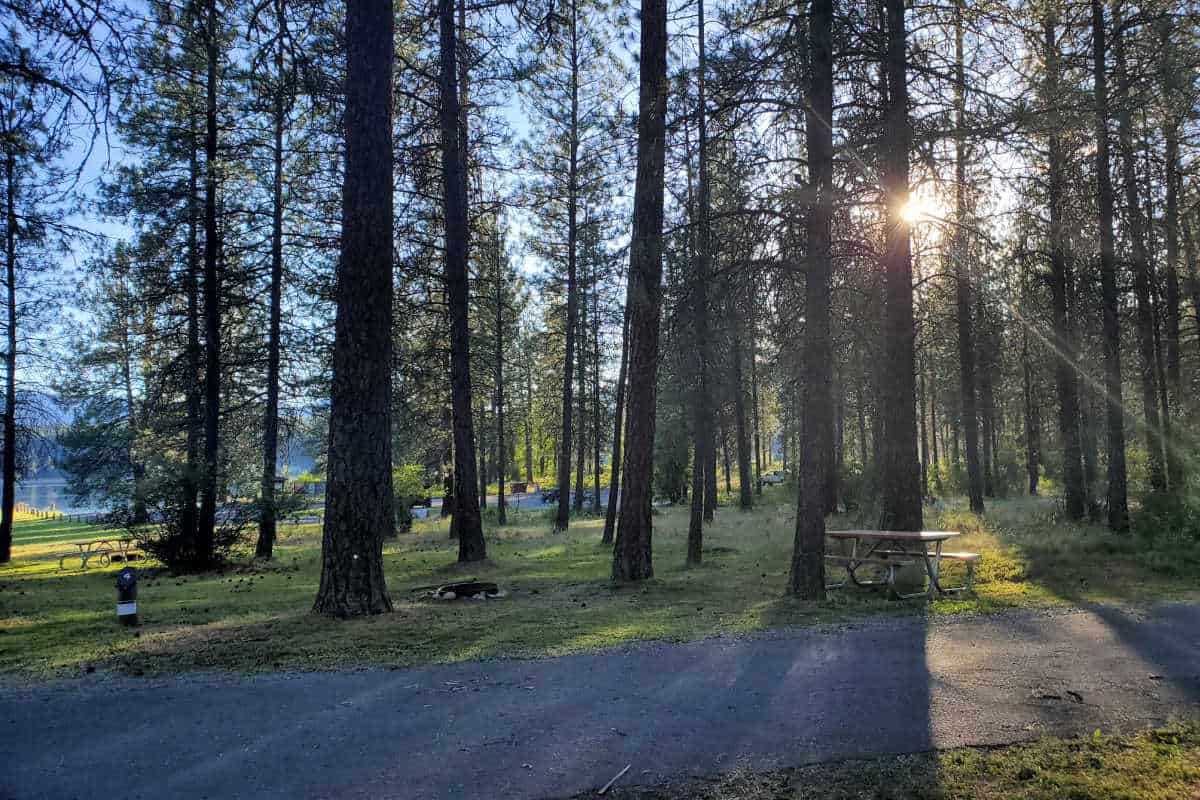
(889, 550)
(123, 548)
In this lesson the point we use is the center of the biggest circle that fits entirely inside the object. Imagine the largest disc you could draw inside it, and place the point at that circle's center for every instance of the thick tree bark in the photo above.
(9, 419)
(1136, 225)
(266, 523)
(1061, 288)
(205, 528)
(359, 511)
(901, 487)
(701, 401)
(632, 559)
(564, 463)
(807, 579)
(1118, 502)
(466, 521)
(963, 279)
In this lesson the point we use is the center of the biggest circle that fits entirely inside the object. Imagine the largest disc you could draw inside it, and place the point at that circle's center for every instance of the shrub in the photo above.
(408, 488)
(1166, 517)
(166, 538)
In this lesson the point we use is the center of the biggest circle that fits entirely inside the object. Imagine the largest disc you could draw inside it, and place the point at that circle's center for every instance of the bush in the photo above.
(166, 538)
(1167, 517)
(408, 488)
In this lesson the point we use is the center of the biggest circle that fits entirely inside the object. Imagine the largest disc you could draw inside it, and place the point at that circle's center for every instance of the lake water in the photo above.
(51, 494)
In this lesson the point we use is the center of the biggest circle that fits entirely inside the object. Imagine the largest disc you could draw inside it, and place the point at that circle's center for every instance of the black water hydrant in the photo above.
(127, 596)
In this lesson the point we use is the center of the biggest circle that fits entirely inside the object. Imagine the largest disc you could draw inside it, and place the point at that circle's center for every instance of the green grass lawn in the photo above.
(1159, 764)
(256, 616)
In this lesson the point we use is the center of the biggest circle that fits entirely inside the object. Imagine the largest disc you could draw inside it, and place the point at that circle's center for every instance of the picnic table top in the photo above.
(104, 540)
(907, 536)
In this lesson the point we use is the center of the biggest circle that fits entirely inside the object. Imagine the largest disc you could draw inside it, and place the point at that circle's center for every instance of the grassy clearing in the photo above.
(255, 617)
(1160, 764)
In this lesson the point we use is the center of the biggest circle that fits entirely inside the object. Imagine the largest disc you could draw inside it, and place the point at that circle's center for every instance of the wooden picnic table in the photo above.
(101, 549)
(877, 548)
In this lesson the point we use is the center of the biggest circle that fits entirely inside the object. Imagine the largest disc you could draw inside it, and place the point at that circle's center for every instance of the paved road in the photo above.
(547, 728)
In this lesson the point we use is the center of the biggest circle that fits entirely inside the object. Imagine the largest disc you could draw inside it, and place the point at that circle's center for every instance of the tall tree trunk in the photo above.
(1141, 265)
(9, 477)
(194, 433)
(596, 436)
(754, 419)
(1172, 464)
(860, 403)
(963, 278)
(632, 559)
(933, 437)
(702, 401)
(482, 449)
(1091, 456)
(901, 487)
(725, 453)
(1033, 435)
(710, 467)
(359, 511)
(1118, 502)
(807, 579)
(745, 489)
(614, 478)
(528, 419)
(987, 402)
(564, 464)
(137, 467)
(266, 522)
(1174, 383)
(921, 395)
(502, 457)
(1193, 267)
(205, 529)
(1061, 288)
(1171, 376)
(466, 520)
(581, 408)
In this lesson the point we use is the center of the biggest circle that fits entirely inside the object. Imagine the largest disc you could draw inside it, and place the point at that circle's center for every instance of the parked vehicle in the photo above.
(774, 478)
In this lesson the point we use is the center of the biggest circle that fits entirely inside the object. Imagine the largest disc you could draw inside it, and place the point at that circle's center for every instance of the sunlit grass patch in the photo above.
(1156, 764)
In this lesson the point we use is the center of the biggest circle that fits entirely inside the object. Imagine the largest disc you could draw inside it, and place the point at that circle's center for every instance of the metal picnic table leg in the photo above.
(935, 568)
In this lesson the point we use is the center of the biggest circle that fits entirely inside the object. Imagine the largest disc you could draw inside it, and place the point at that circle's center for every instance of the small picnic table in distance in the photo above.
(892, 549)
(103, 550)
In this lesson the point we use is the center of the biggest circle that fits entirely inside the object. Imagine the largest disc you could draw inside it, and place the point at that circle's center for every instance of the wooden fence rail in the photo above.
(43, 513)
